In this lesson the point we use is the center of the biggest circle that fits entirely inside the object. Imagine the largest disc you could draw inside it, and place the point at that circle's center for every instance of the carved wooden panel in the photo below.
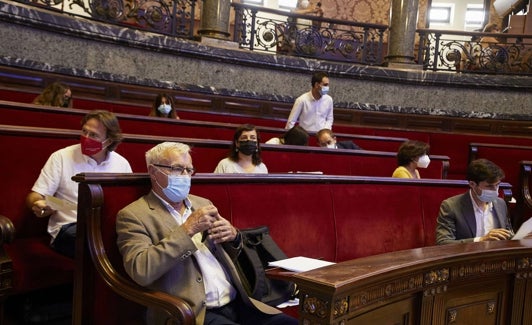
(480, 302)
(402, 312)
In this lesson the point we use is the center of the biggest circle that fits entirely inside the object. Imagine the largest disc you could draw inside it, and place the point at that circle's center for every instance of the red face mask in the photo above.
(90, 146)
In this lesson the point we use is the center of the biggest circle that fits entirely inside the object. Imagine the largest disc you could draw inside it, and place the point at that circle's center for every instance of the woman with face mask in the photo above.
(163, 106)
(411, 156)
(244, 156)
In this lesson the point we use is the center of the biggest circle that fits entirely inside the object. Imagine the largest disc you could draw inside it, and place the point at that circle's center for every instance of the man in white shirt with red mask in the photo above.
(100, 135)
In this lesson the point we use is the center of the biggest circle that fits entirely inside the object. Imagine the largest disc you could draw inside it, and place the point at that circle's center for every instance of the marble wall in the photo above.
(44, 41)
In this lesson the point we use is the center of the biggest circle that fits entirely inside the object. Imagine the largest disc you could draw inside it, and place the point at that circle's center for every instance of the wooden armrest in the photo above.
(178, 310)
(278, 273)
(526, 168)
(7, 230)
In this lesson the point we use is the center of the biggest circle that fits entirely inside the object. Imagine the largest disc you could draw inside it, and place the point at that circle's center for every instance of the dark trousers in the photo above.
(236, 313)
(65, 242)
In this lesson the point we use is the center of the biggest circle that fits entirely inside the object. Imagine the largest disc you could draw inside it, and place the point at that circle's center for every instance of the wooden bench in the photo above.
(330, 217)
(279, 159)
(15, 113)
(474, 283)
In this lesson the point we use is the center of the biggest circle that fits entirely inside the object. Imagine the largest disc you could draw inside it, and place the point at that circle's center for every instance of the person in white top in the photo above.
(314, 109)
(245, 153)
(100, 135)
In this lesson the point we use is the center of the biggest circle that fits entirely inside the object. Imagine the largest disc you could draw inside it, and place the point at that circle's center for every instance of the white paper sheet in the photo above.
(300, 264)
(289, 303)
(60, 204)
(524, 230)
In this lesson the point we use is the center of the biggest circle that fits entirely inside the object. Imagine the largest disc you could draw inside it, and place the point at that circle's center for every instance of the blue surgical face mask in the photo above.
(488, 195)
(164, 108)
(324, 90)
(178, 187)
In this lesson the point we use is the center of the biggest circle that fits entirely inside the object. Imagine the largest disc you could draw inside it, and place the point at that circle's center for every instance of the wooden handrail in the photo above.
(424, 281)
(208, 143)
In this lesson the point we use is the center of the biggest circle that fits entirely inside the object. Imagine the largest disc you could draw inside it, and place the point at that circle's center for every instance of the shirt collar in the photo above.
(476, 206)
(170, 208)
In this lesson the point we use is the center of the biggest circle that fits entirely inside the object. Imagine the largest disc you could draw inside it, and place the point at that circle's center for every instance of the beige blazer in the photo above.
(158, 254)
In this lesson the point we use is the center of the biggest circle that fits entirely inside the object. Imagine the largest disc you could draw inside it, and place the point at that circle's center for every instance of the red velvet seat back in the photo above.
(35, 264)
(23, 159)
(382, 218)
(300, 216)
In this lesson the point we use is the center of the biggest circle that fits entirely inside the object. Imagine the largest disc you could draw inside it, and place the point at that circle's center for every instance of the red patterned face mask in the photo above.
(90, 147)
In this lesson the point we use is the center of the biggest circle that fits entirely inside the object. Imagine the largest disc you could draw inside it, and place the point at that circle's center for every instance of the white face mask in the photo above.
(165, 108)
(324, 90)
(423, 161)
(331, 145)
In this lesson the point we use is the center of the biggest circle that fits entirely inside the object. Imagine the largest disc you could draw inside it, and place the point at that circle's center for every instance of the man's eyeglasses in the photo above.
(180, 170)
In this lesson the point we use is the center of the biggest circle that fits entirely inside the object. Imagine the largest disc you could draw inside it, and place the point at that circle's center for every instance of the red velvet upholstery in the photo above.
(35, 264)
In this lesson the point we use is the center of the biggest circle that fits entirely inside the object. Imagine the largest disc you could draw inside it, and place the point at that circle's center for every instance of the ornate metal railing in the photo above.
(262, 29)
(171, 17)
(474, 52)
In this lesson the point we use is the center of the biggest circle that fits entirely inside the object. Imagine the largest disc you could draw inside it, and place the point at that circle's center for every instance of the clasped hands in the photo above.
(207, 219)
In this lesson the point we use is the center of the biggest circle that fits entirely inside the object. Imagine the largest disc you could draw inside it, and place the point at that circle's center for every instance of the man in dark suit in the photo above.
(178, 243)
(327, 139)
(479, 214)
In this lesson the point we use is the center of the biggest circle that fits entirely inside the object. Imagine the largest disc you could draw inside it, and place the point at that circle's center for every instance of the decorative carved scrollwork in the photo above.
(341, 307)
(315, 306)
(452, 314)
(434, 290)
(523, 263)
(490, 307)
(436, 276)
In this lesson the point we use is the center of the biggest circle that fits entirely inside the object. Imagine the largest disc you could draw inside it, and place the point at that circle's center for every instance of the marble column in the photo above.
(402, 32)
(215, 19)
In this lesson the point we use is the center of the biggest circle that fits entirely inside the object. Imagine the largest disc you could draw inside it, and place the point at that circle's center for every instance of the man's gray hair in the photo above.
(160, 151)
